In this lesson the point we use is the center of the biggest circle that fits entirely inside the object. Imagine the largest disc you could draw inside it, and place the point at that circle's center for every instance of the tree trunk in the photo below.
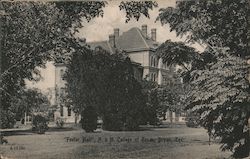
(248, 140)
(25, 118)
(171, 118)
(1, 45)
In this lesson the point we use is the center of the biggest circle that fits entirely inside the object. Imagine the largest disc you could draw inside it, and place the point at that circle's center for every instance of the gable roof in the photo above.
(129, 41)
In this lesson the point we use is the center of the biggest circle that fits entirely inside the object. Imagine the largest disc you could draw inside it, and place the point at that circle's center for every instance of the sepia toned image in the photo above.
(162, 79)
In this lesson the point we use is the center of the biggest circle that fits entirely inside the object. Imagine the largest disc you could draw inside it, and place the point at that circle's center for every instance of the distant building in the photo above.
(139, 44)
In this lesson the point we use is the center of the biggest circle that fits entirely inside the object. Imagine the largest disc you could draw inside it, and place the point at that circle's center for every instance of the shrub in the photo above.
(3, 140)
(59, 123)
(89, 119)
(40, 124)
(192, 120)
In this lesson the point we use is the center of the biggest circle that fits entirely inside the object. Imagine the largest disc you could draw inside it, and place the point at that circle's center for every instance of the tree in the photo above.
(220, 89)
(124, 96)
(106, 83)
(89, 119)
(171, 97)
(221, 95)
(29, 102)
(177, 53)
(134, 9)
(220, 23)
(151, 108)
(34, 33)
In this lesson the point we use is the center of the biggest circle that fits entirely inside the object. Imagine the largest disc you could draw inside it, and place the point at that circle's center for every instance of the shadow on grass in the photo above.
(56, 129)
(30, 132)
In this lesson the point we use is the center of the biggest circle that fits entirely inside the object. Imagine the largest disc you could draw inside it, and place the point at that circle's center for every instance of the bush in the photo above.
(3, 140)
(89, 119)
(113, 122)
(59, 123)
(192, 120)
(40, 124)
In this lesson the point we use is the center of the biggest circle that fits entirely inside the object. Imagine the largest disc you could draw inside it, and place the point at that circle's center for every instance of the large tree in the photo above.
(106, 83)
(220, 23)
(34, 33)
(220, 88)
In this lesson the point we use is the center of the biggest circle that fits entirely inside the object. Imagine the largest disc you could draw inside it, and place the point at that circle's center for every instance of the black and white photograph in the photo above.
(125, 79)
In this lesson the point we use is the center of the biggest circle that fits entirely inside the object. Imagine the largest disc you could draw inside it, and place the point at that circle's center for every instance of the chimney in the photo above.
(112, 40)
(153, 34)
(144, 30)
(116, 32)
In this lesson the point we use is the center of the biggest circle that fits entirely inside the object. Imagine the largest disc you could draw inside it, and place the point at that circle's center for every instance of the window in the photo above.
(69, 111)
(154, 76)
(61, 110)
(62, 92)
(62, 74)
(155, 62)
(165, 66)
(152, 61)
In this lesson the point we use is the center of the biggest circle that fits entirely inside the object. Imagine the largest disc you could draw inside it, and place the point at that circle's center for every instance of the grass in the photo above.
(167, 143)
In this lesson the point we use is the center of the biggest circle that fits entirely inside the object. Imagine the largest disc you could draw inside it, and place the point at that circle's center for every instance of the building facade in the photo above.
(139, 44)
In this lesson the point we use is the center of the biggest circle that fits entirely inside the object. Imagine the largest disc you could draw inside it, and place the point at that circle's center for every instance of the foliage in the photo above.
(40, 124)
(220, 88)
(3, 140)
(89, 119)
(217, 23)
(30, 101)
(105, 82)
(150, 110)
(7, 118)
(59, 123)
(35, 32)
(171, 97)
(134, 9)
(192, 119)
(177, 53)
(221, 95)
(218, 82)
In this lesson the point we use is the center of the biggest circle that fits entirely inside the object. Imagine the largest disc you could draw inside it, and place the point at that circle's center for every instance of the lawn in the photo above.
(167, 143)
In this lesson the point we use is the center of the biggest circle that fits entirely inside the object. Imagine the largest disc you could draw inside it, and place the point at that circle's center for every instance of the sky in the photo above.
(100, 28)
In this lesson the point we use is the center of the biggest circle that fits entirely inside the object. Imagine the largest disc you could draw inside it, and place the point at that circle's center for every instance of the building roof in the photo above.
(130, 41)
(103, 44)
